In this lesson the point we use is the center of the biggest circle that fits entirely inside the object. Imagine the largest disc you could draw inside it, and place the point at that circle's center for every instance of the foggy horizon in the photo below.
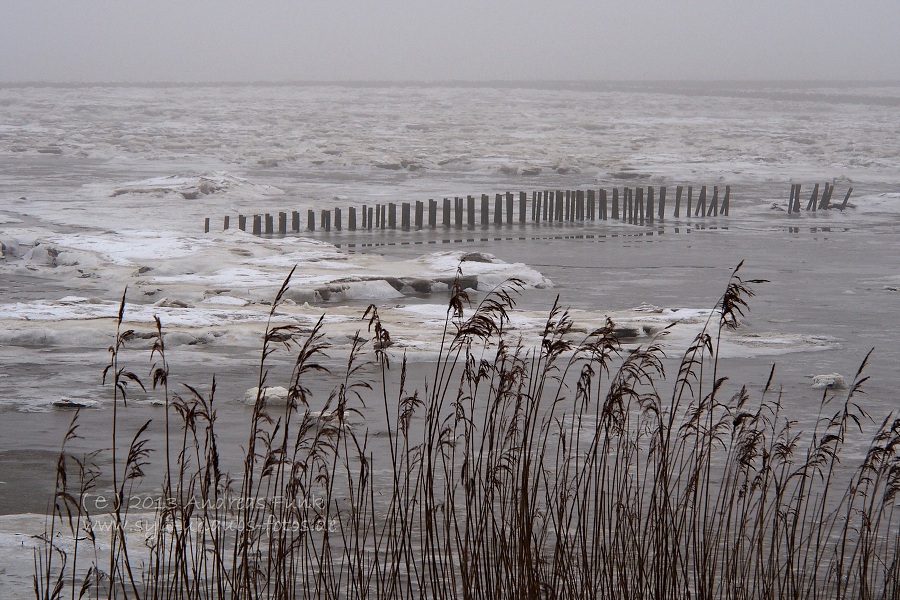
(397, 41)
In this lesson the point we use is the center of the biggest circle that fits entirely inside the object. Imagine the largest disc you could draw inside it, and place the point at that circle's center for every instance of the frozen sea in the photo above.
(95, 184)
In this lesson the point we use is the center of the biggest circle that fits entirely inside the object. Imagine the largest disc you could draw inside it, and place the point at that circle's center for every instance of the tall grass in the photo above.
(569, 470)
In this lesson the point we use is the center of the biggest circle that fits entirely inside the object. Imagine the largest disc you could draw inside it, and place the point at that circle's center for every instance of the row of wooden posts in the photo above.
(634, 206)
(815, 203)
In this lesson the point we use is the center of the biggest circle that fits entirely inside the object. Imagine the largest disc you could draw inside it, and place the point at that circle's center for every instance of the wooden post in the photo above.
(509, 208)
(826, 196)
(470, 210)
(206, 225)
(639, 204)
(591, 204)
(485, 207)
(726, 200)
(432, 213)
(446, 212)
(690, 196)
(242, 222)
(568, 213)
(404, 216)
(603, 210)
(365, 218)
(797, 198)
(369, 218)
(295, 221)
(420, 214)
(326, 220)
(337, 219)
(579, 205)
(714, 205)
(282, 223)
(650, 204)
(549, 206)
(458, 211)
(498, 209)
(678, 191)
(310, 220)
(226, 223)
(846, 198)
(378, 217)
(257, 225)
(627, 201)
(662, 203)
(392, 215)
(535, 205)
(523, 206)
(351, 218)
(270, 224)
(615, 204)
(701, 202)
(813, 199)
(559, 205)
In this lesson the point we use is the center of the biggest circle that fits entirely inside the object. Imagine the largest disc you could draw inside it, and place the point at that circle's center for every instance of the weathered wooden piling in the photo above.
(369, 218)
(650, 204)
(662, 203)
(295, 221)
(392, 215)
(337, 219)
(797, 198)
(270, 224)
(846, 198)
(639, 204)
(365, 218)
(615, 204)
(310, 221)
(701, 202)
(404, 216)
(242, 222)
(726, 201)
(432, 213)
(603, 205)
(826, 196)
(485, 208)
(560, 205)
(714, 205)
(548, 206)
(470, 211)
(509, 208)
(590, 205)
(378, 216)
(690, 196)
(420, 214)
(579, 205)
(446, 214)
(523, 206)
(498, 209)
(326, 220)
(257, 224)
(678, 191)
(206, 225)
(351, 218)
(282, 223)
(226, 223)
(813, 199)
(630, 199)
(458, 212)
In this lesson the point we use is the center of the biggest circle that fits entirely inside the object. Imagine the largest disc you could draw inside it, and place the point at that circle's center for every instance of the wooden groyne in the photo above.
(815, 202)
(634, 206)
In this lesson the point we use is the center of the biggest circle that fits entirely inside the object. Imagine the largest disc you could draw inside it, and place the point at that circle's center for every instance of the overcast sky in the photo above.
(315, 40)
